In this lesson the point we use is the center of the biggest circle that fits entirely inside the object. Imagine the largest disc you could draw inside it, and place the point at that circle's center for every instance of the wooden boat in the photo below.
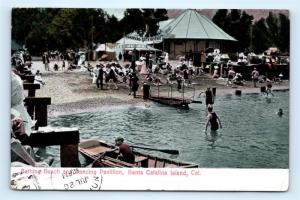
(93, 151)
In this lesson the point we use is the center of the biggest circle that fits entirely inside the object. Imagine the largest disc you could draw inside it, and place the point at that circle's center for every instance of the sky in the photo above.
(118, 13)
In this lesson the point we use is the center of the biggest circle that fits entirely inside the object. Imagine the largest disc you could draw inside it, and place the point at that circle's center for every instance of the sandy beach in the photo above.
(73, 91)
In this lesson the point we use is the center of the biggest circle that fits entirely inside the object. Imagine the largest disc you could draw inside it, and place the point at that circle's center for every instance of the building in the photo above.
(190, 33)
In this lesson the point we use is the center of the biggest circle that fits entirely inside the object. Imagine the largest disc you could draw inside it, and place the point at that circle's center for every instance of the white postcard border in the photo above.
(158, 179)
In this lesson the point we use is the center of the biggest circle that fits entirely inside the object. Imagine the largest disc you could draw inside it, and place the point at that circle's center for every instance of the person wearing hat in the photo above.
(255, 75)
(125, 152)
(212, 119)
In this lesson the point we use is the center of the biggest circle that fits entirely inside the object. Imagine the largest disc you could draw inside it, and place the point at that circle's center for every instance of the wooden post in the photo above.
(238, 92)
(146, 91)
(67, 138)
(41, 115)
(214, 91)
(28, 78)
(69, 155)
(31, 87)
(144, 163)
(40, 107)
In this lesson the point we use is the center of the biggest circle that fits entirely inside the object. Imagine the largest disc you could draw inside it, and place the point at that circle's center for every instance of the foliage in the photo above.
(260, 39)
(273, 31)
(257, 36)
(143, 21)
(235, 23)
(45, 29)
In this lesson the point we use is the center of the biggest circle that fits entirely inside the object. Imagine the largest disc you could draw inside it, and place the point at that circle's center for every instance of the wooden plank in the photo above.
(54, 137)
(38, 100)
(31, 87)
(189, 166)
(28, 86)
(29, 78)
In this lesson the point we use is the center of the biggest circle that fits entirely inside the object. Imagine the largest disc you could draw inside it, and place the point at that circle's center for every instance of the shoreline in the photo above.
(95, 104)
(73, 91)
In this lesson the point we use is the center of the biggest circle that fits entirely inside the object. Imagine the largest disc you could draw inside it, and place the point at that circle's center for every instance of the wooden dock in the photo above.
(67, 138)
(172, 101)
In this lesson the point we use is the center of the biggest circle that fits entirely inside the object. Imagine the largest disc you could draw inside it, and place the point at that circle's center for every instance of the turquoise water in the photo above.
(253, 136)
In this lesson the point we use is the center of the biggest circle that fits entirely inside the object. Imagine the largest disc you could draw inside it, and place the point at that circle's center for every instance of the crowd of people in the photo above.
(108, 74)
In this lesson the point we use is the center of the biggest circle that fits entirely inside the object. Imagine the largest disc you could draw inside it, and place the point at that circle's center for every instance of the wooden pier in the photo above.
(67, 138)
(168, 100)
(172, 101)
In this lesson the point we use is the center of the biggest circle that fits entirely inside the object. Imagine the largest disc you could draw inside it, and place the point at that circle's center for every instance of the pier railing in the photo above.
(172, 91)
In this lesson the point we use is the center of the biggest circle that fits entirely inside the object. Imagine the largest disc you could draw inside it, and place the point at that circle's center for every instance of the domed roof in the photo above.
(193, 25)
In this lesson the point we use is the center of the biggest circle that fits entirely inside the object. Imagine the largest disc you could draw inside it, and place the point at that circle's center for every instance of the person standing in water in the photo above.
(209, 97)
(280, 112)
(212, 119)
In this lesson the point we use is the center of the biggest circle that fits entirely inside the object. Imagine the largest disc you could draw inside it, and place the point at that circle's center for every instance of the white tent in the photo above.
(129, 41)
(103, 47)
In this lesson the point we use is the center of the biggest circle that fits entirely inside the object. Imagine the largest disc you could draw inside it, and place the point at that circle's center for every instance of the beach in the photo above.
(72, 91)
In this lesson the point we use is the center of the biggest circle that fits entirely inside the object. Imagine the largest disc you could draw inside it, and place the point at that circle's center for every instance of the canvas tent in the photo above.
(127, 44)
(104, 48)
(101, 49)
(192, 32)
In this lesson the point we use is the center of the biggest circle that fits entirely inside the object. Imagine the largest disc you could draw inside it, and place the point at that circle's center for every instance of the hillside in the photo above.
(257, 13)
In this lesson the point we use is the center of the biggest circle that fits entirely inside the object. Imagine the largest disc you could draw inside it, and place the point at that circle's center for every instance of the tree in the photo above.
(245, 26)
(220, 19)
(143, 21)
(30, 27)
(273, 28)
(113, 32)
(237, 24)
(133, 20)
(62, 28)
(284, 33)
(260, 37)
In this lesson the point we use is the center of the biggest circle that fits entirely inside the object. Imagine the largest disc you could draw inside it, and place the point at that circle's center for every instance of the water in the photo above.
(253, 136)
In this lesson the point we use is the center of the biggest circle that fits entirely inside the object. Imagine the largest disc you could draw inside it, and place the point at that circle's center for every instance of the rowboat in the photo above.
(93, 151)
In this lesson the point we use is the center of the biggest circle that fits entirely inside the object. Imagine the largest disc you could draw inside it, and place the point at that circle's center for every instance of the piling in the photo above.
(214, 90)
(263, 89)
(238, 92)
(146, 91)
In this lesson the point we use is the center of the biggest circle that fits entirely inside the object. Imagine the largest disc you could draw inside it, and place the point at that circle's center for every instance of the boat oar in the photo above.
(169, 151)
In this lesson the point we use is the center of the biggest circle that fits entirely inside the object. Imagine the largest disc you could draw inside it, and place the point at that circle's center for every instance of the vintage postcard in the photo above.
(159, 99)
